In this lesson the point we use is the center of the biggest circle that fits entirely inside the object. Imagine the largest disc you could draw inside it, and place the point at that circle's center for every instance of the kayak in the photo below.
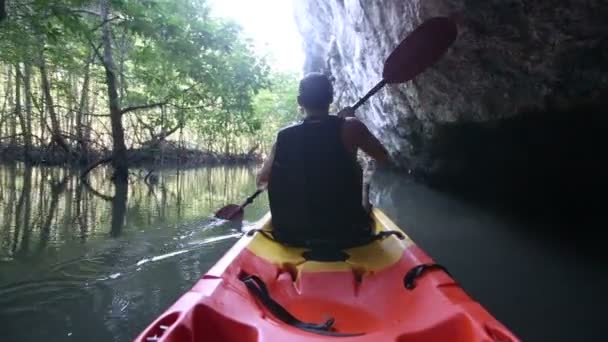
(387, 289)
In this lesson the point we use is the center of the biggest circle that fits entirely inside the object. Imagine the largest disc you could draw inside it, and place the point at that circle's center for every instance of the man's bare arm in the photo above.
(263, 176)
(358, 134)
(367, 142)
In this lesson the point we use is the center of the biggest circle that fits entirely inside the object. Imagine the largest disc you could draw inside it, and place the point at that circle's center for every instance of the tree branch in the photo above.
(72, 110)
(98, 115)
(94, 165)
(98, 26)
(103, 124)
(136, 132)
(83, 141)
(146, 126)
(86, 184)
(146, 106)
(165, 135)
(85, 11)
(96, 50)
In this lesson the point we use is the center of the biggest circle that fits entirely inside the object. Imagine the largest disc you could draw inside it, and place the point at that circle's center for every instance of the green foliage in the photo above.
(277, 106)
(212, 84)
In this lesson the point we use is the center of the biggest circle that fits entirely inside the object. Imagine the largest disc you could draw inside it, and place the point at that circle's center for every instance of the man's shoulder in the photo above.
(290, 126)
(287, 129)
(354, 125)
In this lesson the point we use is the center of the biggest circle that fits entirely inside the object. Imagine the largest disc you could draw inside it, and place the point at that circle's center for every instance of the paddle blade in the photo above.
(420, 49)
(231, 212)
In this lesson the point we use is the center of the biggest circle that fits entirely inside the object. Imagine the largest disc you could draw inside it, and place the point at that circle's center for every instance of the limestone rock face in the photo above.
(522, 80)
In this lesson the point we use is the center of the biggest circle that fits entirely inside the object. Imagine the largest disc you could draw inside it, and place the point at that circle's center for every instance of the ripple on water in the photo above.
(79, 279)
(80, 268)
(43, 294)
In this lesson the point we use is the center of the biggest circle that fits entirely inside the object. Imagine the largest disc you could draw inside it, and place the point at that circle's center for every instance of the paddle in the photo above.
(418, 51)
(234, 212)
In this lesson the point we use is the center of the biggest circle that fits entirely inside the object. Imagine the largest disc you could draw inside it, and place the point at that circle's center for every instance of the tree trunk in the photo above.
(27, 138)
(4, 111)
(119, 153)
(11, 123)
(122, 71)
(56, 136)
(42, 115)
(27, 84)
(82, 108)
(226, 137)
(89, 119)
(71, 104)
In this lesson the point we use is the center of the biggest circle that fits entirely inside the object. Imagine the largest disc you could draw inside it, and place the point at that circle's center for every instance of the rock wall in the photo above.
(518, 100)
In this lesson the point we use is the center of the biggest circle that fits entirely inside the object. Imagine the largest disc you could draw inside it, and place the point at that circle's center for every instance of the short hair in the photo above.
(316, 91)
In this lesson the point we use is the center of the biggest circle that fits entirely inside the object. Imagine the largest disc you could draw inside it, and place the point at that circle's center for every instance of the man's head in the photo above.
(316, 93)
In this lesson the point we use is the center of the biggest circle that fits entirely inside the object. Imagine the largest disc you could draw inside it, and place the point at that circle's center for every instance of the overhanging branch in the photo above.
(107, 198)
(94, 165)
(146, 106)
(96, 50)
(98, 26)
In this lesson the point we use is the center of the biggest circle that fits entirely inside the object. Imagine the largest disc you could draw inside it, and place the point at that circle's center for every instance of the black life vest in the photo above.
(315, 187)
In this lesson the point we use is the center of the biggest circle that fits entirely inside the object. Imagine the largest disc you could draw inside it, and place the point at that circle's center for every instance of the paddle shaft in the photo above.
(250, 199)
(369, 94)
(418, 51)
(234, 211)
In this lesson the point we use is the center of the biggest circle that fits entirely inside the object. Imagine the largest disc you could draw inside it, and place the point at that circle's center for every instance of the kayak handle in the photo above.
(259, 290)
(409, 281)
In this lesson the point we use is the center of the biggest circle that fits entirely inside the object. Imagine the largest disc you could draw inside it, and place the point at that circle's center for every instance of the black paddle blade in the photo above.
(231, 212)
(420, 49)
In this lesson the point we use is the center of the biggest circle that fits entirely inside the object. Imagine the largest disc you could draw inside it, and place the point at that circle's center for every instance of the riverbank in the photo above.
(167, 155)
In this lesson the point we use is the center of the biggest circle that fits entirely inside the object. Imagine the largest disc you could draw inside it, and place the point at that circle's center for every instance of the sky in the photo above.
(271, 25)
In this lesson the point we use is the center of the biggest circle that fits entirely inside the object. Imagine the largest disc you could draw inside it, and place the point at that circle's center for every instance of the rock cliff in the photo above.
(517, 100)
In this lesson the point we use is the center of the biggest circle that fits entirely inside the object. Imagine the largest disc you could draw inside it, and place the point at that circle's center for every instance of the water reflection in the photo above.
(83, 259)
(53, 205)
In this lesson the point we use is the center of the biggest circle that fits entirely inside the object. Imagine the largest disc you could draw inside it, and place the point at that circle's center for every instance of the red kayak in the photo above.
(385, 290)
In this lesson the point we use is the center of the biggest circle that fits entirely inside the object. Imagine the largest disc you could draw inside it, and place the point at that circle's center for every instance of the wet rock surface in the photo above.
(516, 108)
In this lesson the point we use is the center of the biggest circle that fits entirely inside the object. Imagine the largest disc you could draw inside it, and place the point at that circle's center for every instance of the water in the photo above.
(543, 277)
(75, 266)
(83, 265)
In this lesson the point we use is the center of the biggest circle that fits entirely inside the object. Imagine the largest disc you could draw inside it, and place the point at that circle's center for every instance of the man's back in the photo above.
(315, 188)
(314, 182)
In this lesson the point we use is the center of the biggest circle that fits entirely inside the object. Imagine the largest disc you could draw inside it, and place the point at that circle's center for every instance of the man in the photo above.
(313, 178)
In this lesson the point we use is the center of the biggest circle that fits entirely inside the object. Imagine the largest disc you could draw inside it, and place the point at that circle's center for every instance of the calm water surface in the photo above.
(96, 265)
(76, 265)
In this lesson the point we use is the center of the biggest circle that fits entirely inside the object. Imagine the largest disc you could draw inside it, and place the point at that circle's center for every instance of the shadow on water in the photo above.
(98, 261)
(545, 167)
(544, 286)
